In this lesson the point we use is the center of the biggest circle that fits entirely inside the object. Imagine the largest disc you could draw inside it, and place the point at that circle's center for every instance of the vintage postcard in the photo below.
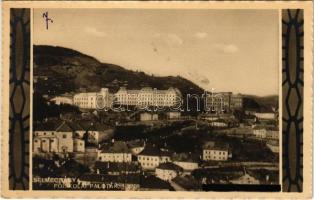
(157, 99)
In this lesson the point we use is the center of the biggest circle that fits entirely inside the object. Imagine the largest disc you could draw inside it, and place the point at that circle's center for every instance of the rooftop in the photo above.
(116, 147)
(170, 166)
(152, 182)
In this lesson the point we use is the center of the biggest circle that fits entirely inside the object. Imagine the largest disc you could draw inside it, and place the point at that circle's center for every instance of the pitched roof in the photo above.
(150, 151)
(98, 127)
(170, 166)
(136, 143)
(188, 182)
(116, 147)
(64, 127)
(219, 147)
(184, 157)
(152, 182)
(47, 126)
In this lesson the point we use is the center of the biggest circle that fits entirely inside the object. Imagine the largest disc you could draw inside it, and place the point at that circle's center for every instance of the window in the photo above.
(64, 136)
(36, 140)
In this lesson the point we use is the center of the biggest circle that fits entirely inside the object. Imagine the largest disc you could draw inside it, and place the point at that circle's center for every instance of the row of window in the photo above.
(215, 152)
(214, 158)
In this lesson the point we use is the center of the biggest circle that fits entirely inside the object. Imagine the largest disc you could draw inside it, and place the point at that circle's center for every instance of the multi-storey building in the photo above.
(167, 171)
(57, 137)
(63, 99)
(151, 157)
(187, 162)
(217, 152)
(118, 152)
(223, 102)
(272, 133)
(93, 100)
(148, 97)
(260, 132)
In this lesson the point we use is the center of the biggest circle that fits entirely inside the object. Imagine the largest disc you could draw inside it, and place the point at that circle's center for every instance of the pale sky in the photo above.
(228, 50)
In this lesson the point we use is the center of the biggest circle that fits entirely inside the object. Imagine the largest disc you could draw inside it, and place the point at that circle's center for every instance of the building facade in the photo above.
(216, 152)
(168, 171)
(56, 138)
(93, 100)
(151, 157)
(116, 152)
(260, 132)
(63, 99)
(223, 102)
(148, 97)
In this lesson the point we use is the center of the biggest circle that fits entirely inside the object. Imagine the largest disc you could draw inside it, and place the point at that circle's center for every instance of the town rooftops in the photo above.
(170, 166)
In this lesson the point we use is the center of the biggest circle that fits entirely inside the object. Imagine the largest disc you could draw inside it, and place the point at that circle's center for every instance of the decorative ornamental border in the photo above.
(292, 99)
(19, 133)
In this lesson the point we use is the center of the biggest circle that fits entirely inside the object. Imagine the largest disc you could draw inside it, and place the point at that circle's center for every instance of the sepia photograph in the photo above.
(155, 99)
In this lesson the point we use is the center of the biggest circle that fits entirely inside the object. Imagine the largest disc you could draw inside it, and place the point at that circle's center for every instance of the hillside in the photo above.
(58, 70)
(261, 104)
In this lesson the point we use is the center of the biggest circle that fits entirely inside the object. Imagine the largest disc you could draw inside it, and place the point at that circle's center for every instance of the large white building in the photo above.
(117, 152)
(168, 171)
(93, 100)
(56, 137)
(216, 152)
(148, 97)
(151, 157)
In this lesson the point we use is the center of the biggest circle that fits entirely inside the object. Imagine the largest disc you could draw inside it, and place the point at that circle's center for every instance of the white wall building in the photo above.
(259, 132)
(93, 100)
(148, 97)
(58, 138)
(63, 99)
(117, 152)
(168, 171)
(151, 157)
(265, 116)
(216, 152)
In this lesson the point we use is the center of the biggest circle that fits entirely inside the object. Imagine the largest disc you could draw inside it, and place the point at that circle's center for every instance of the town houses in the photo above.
(156, 150)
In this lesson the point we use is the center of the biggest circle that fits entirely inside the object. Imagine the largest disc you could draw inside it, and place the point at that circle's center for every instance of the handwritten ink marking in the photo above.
(47, 19)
